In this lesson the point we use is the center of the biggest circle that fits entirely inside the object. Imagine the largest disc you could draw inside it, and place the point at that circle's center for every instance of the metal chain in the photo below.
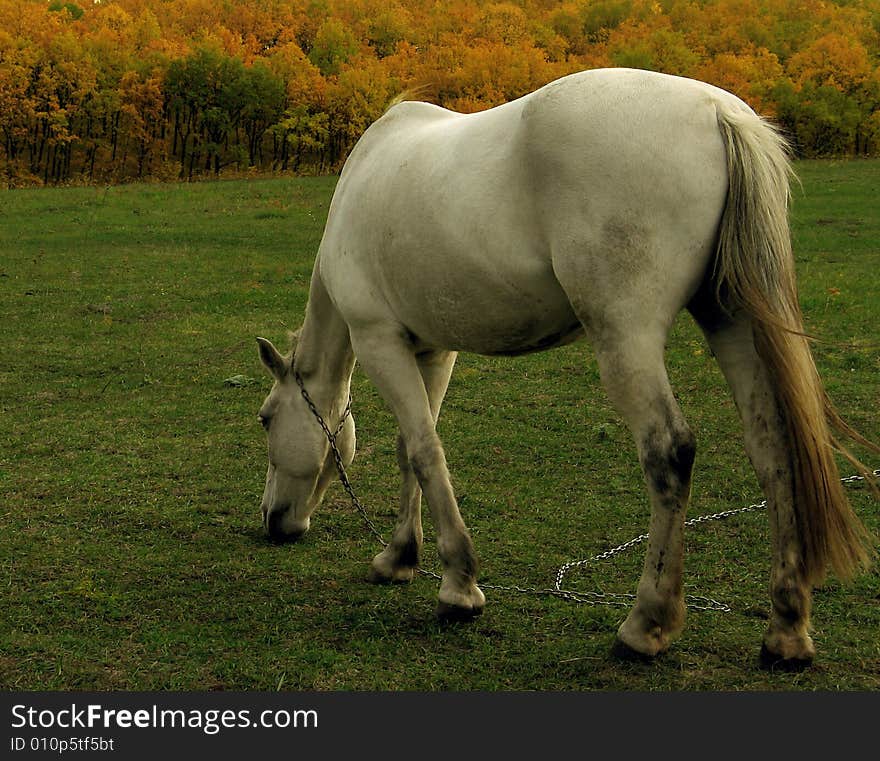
(617, 599)
(337, 455)
(695, 602)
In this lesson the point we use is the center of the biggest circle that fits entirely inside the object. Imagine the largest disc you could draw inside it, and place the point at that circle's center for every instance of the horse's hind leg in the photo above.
(787, 642)
(388, 359)
(634, 375)
(399, 560)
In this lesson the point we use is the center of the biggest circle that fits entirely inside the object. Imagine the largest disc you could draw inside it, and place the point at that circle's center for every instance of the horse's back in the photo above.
(462, 224)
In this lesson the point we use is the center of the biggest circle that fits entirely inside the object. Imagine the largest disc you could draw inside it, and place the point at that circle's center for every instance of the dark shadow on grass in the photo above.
(257, 536)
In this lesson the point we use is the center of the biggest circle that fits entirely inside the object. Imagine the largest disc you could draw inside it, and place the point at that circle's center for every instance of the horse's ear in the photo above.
(273, 361)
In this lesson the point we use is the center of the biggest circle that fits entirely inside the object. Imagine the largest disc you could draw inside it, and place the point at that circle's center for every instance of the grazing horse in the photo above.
(599, 206)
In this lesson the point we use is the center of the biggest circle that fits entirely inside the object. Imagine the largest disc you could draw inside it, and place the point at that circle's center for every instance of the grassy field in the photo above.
(131, 472)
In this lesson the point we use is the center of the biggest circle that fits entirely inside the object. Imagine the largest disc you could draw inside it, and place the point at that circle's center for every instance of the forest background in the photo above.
(116, 90)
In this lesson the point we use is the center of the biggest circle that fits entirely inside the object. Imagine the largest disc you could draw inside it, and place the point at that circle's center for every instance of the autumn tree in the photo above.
(141, 108)
(126, 89)
(302, 130)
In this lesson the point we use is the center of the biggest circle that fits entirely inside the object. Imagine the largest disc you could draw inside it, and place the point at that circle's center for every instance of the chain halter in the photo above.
(618, 599)
(337, 456)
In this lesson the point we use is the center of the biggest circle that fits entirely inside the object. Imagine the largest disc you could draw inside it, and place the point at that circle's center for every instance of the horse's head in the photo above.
(301, 464)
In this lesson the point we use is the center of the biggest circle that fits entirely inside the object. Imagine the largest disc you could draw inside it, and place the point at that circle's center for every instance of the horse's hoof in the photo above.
(396, 576)
(448, 614)
(773, 662)
(624, 652)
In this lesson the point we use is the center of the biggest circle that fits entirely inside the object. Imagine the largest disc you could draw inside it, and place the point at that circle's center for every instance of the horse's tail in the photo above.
(755, 272)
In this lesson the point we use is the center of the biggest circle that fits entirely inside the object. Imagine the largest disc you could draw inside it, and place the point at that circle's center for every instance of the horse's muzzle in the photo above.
(280, 528)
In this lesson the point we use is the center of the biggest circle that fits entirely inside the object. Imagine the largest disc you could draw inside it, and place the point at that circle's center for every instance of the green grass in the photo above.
(131, 552)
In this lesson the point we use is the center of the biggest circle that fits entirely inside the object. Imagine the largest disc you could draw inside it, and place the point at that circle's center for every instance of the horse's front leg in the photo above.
(400, 558)
(388, 359)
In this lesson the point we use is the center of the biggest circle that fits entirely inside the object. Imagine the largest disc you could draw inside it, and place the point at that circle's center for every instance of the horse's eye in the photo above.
(264, 421)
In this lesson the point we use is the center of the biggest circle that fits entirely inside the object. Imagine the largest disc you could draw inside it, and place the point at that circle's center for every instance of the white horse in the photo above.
(599, 205)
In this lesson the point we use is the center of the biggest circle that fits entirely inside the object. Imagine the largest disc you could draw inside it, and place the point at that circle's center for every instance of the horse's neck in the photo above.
(324, 356)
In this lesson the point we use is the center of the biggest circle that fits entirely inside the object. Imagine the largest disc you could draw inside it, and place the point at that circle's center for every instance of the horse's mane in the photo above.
(293, 340)
(426, 93)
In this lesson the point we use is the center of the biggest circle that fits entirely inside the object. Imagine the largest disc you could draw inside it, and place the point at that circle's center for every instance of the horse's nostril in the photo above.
(274, 523)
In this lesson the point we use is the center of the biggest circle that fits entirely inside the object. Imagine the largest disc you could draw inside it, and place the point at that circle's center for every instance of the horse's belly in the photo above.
(482, 315)
(495, 338)
(533, 341)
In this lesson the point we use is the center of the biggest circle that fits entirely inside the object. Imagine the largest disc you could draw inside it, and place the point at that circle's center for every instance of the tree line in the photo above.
(116, 90)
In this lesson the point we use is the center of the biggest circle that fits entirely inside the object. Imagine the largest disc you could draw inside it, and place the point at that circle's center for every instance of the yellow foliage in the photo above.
(834, 60)
(91, 76)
